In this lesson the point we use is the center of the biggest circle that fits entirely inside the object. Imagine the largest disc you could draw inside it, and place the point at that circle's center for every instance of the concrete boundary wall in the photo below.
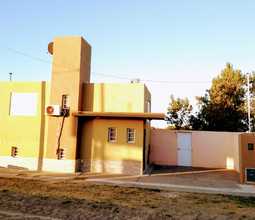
(209, 149)
(215, 149)
(163, 148)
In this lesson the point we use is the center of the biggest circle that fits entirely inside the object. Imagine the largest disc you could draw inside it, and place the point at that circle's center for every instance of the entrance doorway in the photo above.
(184, 149)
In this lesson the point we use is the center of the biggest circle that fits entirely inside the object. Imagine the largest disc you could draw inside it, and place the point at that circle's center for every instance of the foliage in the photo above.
(178, 113)
(223, 107)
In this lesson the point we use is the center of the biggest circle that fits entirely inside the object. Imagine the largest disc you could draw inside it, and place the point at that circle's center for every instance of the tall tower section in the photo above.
(70, 69)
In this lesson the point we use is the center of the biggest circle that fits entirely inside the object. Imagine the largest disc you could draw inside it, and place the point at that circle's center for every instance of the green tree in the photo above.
(223, 107)
(178, 113)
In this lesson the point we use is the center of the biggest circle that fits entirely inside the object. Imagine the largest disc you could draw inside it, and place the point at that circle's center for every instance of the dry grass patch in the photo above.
(76, 199)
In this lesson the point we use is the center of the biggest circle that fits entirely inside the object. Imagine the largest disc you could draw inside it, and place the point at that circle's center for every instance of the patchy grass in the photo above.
(76, 199)
(243, 202)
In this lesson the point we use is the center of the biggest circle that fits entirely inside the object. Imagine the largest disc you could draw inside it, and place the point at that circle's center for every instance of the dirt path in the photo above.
(20, 215)
(76, 199)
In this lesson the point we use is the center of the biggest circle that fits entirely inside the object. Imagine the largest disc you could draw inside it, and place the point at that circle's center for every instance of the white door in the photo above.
(184, 149)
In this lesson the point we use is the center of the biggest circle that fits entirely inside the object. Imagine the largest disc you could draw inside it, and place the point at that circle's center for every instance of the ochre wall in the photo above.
(70, 69)
(118, 157)
(247, 157)
(24, 132)
(209, 149)
(115, 97)
(109, 97)
(86, 130)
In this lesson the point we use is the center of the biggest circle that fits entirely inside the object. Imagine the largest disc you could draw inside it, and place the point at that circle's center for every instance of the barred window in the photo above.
(112, 134)
(131, 135)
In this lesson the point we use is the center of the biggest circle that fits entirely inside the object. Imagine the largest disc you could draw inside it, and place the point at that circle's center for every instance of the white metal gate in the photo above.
(184, 153)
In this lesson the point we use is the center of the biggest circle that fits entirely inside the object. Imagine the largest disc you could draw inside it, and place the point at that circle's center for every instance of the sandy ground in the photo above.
(76, 199)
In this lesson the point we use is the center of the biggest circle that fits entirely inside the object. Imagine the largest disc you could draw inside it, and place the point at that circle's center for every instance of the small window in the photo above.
(112, 134)
(14, 151)
(131, 135)
(60, 153)
(250, 146)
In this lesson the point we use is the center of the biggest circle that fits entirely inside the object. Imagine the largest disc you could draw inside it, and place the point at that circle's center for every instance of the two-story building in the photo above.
(106, 128)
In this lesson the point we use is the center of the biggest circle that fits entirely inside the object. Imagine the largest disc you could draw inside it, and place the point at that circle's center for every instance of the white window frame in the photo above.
(131, 132)
(112, 137)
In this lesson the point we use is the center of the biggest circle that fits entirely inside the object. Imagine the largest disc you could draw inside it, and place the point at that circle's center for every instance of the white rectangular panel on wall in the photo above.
(23, 104)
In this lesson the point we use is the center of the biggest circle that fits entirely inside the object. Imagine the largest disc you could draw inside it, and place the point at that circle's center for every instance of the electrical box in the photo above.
(53, 110)
(65, 105)
(250, 175)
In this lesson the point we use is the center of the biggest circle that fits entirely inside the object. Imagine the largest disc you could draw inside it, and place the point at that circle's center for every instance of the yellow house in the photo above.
(74, 125)
(71, 125)
(115, 128)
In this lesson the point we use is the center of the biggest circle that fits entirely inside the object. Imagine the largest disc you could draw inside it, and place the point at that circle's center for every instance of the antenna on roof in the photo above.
(10, 77)
(137, 80)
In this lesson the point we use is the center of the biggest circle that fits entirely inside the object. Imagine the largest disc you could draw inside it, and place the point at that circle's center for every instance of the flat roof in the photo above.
(134, 115)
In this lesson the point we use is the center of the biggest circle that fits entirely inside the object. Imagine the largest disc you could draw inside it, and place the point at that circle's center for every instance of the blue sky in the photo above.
(187, 41)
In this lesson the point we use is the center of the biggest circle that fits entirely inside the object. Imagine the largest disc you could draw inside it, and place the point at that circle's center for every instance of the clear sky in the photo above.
(186, 42)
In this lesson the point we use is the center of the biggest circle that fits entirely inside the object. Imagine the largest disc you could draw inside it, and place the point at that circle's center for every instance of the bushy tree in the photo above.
(223, 107)
(178, 113)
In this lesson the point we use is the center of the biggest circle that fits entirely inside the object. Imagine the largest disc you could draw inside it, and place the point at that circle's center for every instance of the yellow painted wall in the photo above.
(25, 132)
(95, 145)
(115, 97)
(121, 150)
(70, 69)
(86, 135)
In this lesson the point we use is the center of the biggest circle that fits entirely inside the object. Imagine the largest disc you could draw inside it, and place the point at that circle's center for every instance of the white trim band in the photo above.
(60, 166)
(30, 163)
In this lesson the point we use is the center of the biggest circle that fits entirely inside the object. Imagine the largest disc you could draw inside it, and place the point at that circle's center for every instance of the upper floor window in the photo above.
(131, 135)
(112, 134)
